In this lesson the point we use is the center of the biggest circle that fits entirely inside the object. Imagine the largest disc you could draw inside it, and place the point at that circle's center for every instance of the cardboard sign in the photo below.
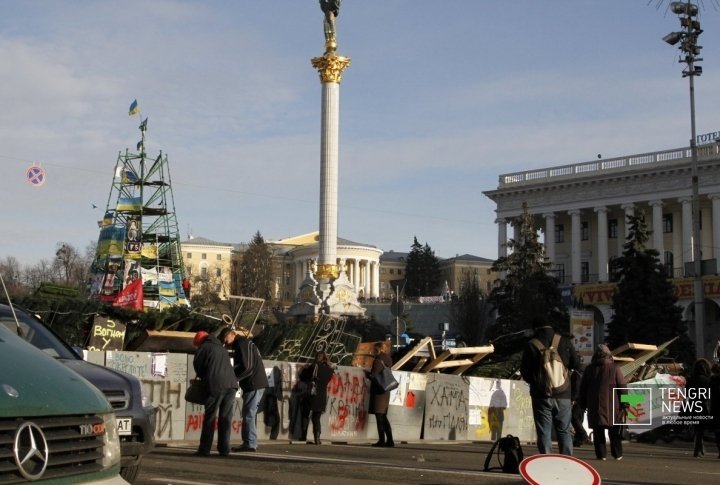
(106, 334)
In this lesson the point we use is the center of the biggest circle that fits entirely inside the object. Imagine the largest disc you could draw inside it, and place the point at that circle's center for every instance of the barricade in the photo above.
(428, 406)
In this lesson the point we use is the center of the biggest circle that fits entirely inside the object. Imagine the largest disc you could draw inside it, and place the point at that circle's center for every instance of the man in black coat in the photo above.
(212, 365)
(250, 371)
(551, 410)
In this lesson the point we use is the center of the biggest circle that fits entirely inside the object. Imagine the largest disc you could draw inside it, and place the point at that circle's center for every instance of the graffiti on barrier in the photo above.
(447, 409)
(347, 398)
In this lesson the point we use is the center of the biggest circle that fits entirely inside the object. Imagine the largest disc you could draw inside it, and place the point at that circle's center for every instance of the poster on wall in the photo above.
(582, 323)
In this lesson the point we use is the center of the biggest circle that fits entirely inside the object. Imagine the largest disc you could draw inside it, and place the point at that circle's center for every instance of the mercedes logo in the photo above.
(31, 451)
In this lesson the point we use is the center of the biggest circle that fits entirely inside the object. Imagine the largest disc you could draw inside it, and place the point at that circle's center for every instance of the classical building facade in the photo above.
(581, 210)
(215, 263)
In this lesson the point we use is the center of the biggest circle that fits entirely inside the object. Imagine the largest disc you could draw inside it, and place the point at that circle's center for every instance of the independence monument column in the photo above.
(330, 67)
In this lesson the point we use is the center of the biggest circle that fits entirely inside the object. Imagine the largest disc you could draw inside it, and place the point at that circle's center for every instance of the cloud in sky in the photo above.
(440, 99)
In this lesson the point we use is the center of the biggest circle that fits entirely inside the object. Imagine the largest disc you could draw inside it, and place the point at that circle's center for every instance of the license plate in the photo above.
(124, 426)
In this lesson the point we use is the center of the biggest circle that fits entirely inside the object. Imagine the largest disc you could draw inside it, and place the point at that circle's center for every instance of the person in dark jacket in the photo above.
(578, 413)
(316, 376)
(379, 399)
(715, 403)
(697, 389)
(549, 411)
(250, 372)
(599, 394)
(212, 365)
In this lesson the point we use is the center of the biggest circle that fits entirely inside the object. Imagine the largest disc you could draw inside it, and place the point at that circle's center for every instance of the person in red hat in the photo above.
(212, 365)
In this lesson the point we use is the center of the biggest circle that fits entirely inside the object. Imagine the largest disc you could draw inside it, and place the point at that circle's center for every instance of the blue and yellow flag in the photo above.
(134, 108)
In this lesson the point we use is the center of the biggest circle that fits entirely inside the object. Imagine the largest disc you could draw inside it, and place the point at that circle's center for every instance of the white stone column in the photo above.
(502, 237)
(550, 236)
(715, 199)
(356, 274)
(575, 267)
(366, 279)
(687, 242)
(376, 279)
(602, 243)
(657, 219)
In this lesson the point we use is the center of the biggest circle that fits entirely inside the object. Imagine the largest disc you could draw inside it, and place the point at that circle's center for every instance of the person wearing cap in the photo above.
(250, 372)
(212, 365)
(600, 391)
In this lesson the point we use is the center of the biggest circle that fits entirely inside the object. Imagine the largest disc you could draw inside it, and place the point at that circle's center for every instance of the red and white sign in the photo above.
(558, 470)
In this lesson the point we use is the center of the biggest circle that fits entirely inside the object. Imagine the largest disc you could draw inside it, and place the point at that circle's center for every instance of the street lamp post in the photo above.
(687, 37)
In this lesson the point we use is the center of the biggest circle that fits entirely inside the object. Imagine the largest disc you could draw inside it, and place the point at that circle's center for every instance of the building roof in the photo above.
(470, 258)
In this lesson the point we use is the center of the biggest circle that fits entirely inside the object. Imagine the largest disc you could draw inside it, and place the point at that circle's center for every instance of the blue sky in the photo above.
(442, 96)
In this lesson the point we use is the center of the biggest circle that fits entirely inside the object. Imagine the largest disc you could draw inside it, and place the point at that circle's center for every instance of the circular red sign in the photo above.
(558, 470)
(35, 176)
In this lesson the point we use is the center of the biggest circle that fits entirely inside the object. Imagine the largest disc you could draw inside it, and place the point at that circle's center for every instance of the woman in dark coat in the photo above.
(599, 396)
(379, 399)
(697, 387)
(316, 376)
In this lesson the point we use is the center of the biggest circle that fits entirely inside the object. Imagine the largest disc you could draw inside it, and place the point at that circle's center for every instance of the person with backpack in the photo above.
(600, 391)
(546, 364)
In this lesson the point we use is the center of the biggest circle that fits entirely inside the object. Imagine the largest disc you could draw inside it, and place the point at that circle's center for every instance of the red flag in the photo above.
(131, 296)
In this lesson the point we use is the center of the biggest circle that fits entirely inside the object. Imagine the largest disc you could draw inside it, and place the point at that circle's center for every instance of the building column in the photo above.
(366, 279)
(376, 279)
(657, 218)
(687, 242)
(575, 267)
(550, 236)
(502, 237)
(356, 274)
(602, 243)
(715, 199)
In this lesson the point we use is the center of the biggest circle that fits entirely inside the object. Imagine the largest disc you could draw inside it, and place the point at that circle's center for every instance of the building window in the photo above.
(585, 272)
(669, 263)
(667, 222)
(612, 228)
(392, 271)
(218, 272)
(584, 231)
(203, 256)
(189, 255)
(203, 272)
(559, 233)
(560, 272)
(399, 271)
(219, 257)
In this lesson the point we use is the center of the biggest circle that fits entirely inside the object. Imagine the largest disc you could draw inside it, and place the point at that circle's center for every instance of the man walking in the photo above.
(551, 404)
(212, 365)
(250, 372)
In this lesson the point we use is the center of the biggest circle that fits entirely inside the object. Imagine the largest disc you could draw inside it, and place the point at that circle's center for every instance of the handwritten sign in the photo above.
(106, 334)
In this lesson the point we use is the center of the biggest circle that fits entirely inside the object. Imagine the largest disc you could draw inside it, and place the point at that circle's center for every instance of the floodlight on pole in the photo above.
(687, 11)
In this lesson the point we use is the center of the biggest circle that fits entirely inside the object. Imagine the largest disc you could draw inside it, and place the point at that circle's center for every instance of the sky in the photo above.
(440, 99)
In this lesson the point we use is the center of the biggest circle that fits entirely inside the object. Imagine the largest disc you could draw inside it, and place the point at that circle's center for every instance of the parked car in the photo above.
(134, 412)
(55, 427)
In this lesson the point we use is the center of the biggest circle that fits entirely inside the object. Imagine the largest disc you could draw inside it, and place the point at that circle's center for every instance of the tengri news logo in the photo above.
(637, 402)
(651, 406)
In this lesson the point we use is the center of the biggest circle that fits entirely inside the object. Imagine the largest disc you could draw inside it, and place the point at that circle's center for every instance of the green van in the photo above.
(55, 427)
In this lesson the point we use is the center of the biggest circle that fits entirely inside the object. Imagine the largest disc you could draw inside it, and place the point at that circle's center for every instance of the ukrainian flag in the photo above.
(134, 108)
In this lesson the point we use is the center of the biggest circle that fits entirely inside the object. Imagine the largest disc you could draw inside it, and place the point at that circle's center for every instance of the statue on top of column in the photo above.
(331, 8)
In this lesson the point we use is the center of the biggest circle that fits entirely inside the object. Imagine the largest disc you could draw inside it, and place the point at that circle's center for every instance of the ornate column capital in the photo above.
(574, 212)
(658, 202)
(685, 200)
(330, 67)
(627, 207)
(601, 209)
(548, 214)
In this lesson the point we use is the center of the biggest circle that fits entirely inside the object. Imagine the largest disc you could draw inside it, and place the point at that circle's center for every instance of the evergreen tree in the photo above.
(256, 269)
(422, 270)
(469, 311)
(527, 290)
(645, 306)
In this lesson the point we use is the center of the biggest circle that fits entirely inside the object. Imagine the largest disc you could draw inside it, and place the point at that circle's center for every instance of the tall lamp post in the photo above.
(689, 50)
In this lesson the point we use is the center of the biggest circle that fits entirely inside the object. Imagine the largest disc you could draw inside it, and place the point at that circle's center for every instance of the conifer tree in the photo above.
(645, 306)
(422, 271)
(256, 269)
(527, 290)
